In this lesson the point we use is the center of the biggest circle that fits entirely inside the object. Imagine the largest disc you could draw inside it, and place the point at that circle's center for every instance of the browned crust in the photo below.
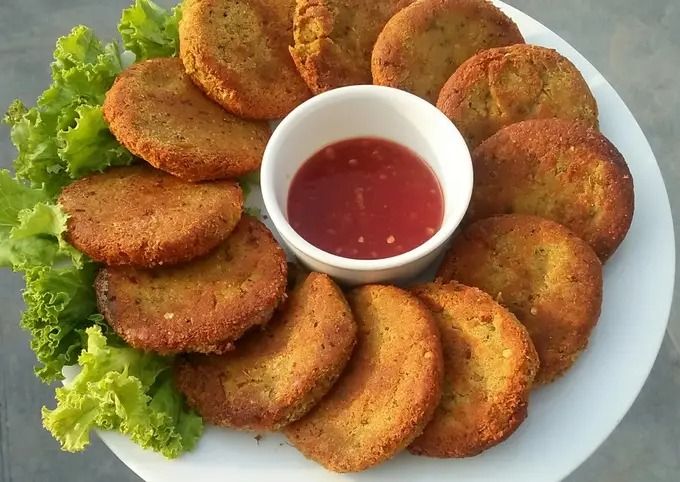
(423, 44)
(202, 306)
(275, 376)
(333, 40)
(501, 86)
(489, 367)
(237, 53)
(388, 391)
(542, 272)
(557, 169)
(157, 113)
(143, 217)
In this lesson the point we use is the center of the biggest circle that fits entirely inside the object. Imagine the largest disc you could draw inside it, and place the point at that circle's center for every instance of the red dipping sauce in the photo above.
(365, 198)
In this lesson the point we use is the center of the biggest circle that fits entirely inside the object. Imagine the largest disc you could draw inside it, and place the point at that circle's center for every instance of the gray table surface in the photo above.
(636, 45)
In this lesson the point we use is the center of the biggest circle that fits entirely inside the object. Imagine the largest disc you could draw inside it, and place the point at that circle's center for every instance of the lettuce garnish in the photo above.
(149, 30)
(61, 138)
(122, 389)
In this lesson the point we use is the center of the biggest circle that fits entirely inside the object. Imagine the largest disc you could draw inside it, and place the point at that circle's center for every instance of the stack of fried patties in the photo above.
(445, 368)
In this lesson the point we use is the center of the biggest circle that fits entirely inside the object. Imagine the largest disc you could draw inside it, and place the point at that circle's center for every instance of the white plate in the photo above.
(567, 420)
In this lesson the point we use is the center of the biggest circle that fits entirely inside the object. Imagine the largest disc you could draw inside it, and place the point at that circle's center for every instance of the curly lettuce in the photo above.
(122, 389)
(60, 305)
(149, 30)
(31, 228)
(64, 136)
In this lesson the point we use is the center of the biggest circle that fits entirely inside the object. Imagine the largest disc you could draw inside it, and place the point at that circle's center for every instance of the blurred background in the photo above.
(636, 46)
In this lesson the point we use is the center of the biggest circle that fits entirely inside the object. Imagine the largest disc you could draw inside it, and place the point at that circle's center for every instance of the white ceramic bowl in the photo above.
(367, 111)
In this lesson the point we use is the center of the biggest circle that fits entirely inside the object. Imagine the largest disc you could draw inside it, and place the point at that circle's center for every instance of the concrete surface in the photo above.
(636, 45)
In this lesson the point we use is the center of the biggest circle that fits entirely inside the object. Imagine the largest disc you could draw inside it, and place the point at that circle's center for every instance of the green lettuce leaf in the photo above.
(149, 30)
(64, 136)
(31, 229)
(60, 305)
(82, 72)
(89, 145)
(33, 133)
(122, 389)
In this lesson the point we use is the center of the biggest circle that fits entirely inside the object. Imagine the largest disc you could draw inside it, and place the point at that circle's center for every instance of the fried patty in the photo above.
(155, 111)
(237, 52)
(388, 391)
(202, 306)
(489, 367)
(275, 376)
(560, 170)
(333, 39)
(423, 44)
(502, 86)
(144, 217)
(542, 272)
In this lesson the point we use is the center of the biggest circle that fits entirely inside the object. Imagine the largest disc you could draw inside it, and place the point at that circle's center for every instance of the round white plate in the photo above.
(567, 420)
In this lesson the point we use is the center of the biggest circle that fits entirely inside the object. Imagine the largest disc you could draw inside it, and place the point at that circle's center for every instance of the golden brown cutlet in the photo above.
(155, 111)
(557, 169)
(202, 306)
(489, 367)
(423, 44)
(333, 39)
(276, 375)
(388, 391)
(501, 86)
(543, 273)
(144, 217)
(237, 53)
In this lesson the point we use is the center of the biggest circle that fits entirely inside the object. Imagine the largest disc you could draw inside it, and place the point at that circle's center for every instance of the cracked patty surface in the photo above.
(423, 44)
(155, 111)
(550, 279)
(489, 368)
(237, 52)
(506, 85)
(334, 39)
(202, 306)
(388, 391)
(275, 375)
(144, 217)
(557, 169)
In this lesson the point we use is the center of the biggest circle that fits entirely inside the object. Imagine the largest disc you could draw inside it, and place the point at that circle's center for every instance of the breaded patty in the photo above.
(489, 367)
(275, 376)
(334, 39)
(388, 391)
(542, 272)
(202, 306)
(422, 45)
(556, 169)
(155, 111)
(502, 86)
(237, 52)
(144, 217)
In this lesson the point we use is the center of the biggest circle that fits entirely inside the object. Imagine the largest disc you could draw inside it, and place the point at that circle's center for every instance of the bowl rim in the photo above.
(297, 242)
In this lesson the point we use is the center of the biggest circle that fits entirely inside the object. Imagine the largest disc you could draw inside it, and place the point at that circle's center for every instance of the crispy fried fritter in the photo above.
(334, 39)
(560, 170)
(423, 44)
(275, 376)
(202, 306)
(155, 111)
(489, 367)
(143, 217)
(389, 390)
(499, 87)
(237, 52)
(542, 272)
